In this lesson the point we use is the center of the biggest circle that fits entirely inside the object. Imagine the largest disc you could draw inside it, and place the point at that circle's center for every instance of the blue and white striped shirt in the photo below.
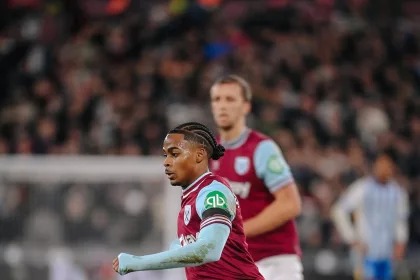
(381, 216)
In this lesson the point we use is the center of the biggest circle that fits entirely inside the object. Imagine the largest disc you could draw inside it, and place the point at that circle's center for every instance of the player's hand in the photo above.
(120, 264)
(116, 265)
(399, 251)
(359, 247)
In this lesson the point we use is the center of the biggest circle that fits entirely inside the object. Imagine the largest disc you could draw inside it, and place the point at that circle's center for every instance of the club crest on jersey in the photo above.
(242, 165)
(187, 214)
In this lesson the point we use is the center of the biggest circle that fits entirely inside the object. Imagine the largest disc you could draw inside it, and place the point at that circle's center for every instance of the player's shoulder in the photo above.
(360, 184)
(262, 143)
(365, 180)
(257, 136)
(216, 181)
(398, 188)
(216, 194)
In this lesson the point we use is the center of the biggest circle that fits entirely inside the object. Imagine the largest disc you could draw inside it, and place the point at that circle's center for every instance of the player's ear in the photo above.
(200, 155)
(247, 108)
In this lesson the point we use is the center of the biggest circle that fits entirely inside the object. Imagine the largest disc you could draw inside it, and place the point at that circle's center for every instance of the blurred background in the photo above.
(333, 81)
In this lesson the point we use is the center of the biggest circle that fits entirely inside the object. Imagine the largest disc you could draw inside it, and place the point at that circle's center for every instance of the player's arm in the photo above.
(216, 207)
(175, 245)
(341, 211)
(208, 248)
(271, 166)
(401, 227)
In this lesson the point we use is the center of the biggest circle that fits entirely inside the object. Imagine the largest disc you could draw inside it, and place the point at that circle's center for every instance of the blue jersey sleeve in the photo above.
(271, 166)
(208, 248)
(216, 204)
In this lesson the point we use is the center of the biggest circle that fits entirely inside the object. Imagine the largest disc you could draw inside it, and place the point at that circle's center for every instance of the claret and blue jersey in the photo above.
(212, 241)
(208, 201)
(255, 168)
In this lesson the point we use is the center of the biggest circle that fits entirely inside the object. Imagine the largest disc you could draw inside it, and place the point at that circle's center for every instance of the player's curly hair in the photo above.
(201, 134)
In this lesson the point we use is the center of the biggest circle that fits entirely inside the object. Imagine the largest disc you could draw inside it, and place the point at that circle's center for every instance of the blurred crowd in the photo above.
(95, 220)
(333, 83)
(77, 214)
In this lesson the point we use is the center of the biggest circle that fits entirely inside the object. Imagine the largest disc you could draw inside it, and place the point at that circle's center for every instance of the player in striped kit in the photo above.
(381, 228)
(210, 230)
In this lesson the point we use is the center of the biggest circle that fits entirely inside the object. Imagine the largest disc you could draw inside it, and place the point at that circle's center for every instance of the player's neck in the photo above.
(199, 174)
(381, 181)
(232, 134)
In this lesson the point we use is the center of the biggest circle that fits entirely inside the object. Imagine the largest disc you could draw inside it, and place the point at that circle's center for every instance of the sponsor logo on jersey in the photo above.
(240, 189)
(215, 199)
(275, 164)
(187, 214)
(242, 165)
(188, 239)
